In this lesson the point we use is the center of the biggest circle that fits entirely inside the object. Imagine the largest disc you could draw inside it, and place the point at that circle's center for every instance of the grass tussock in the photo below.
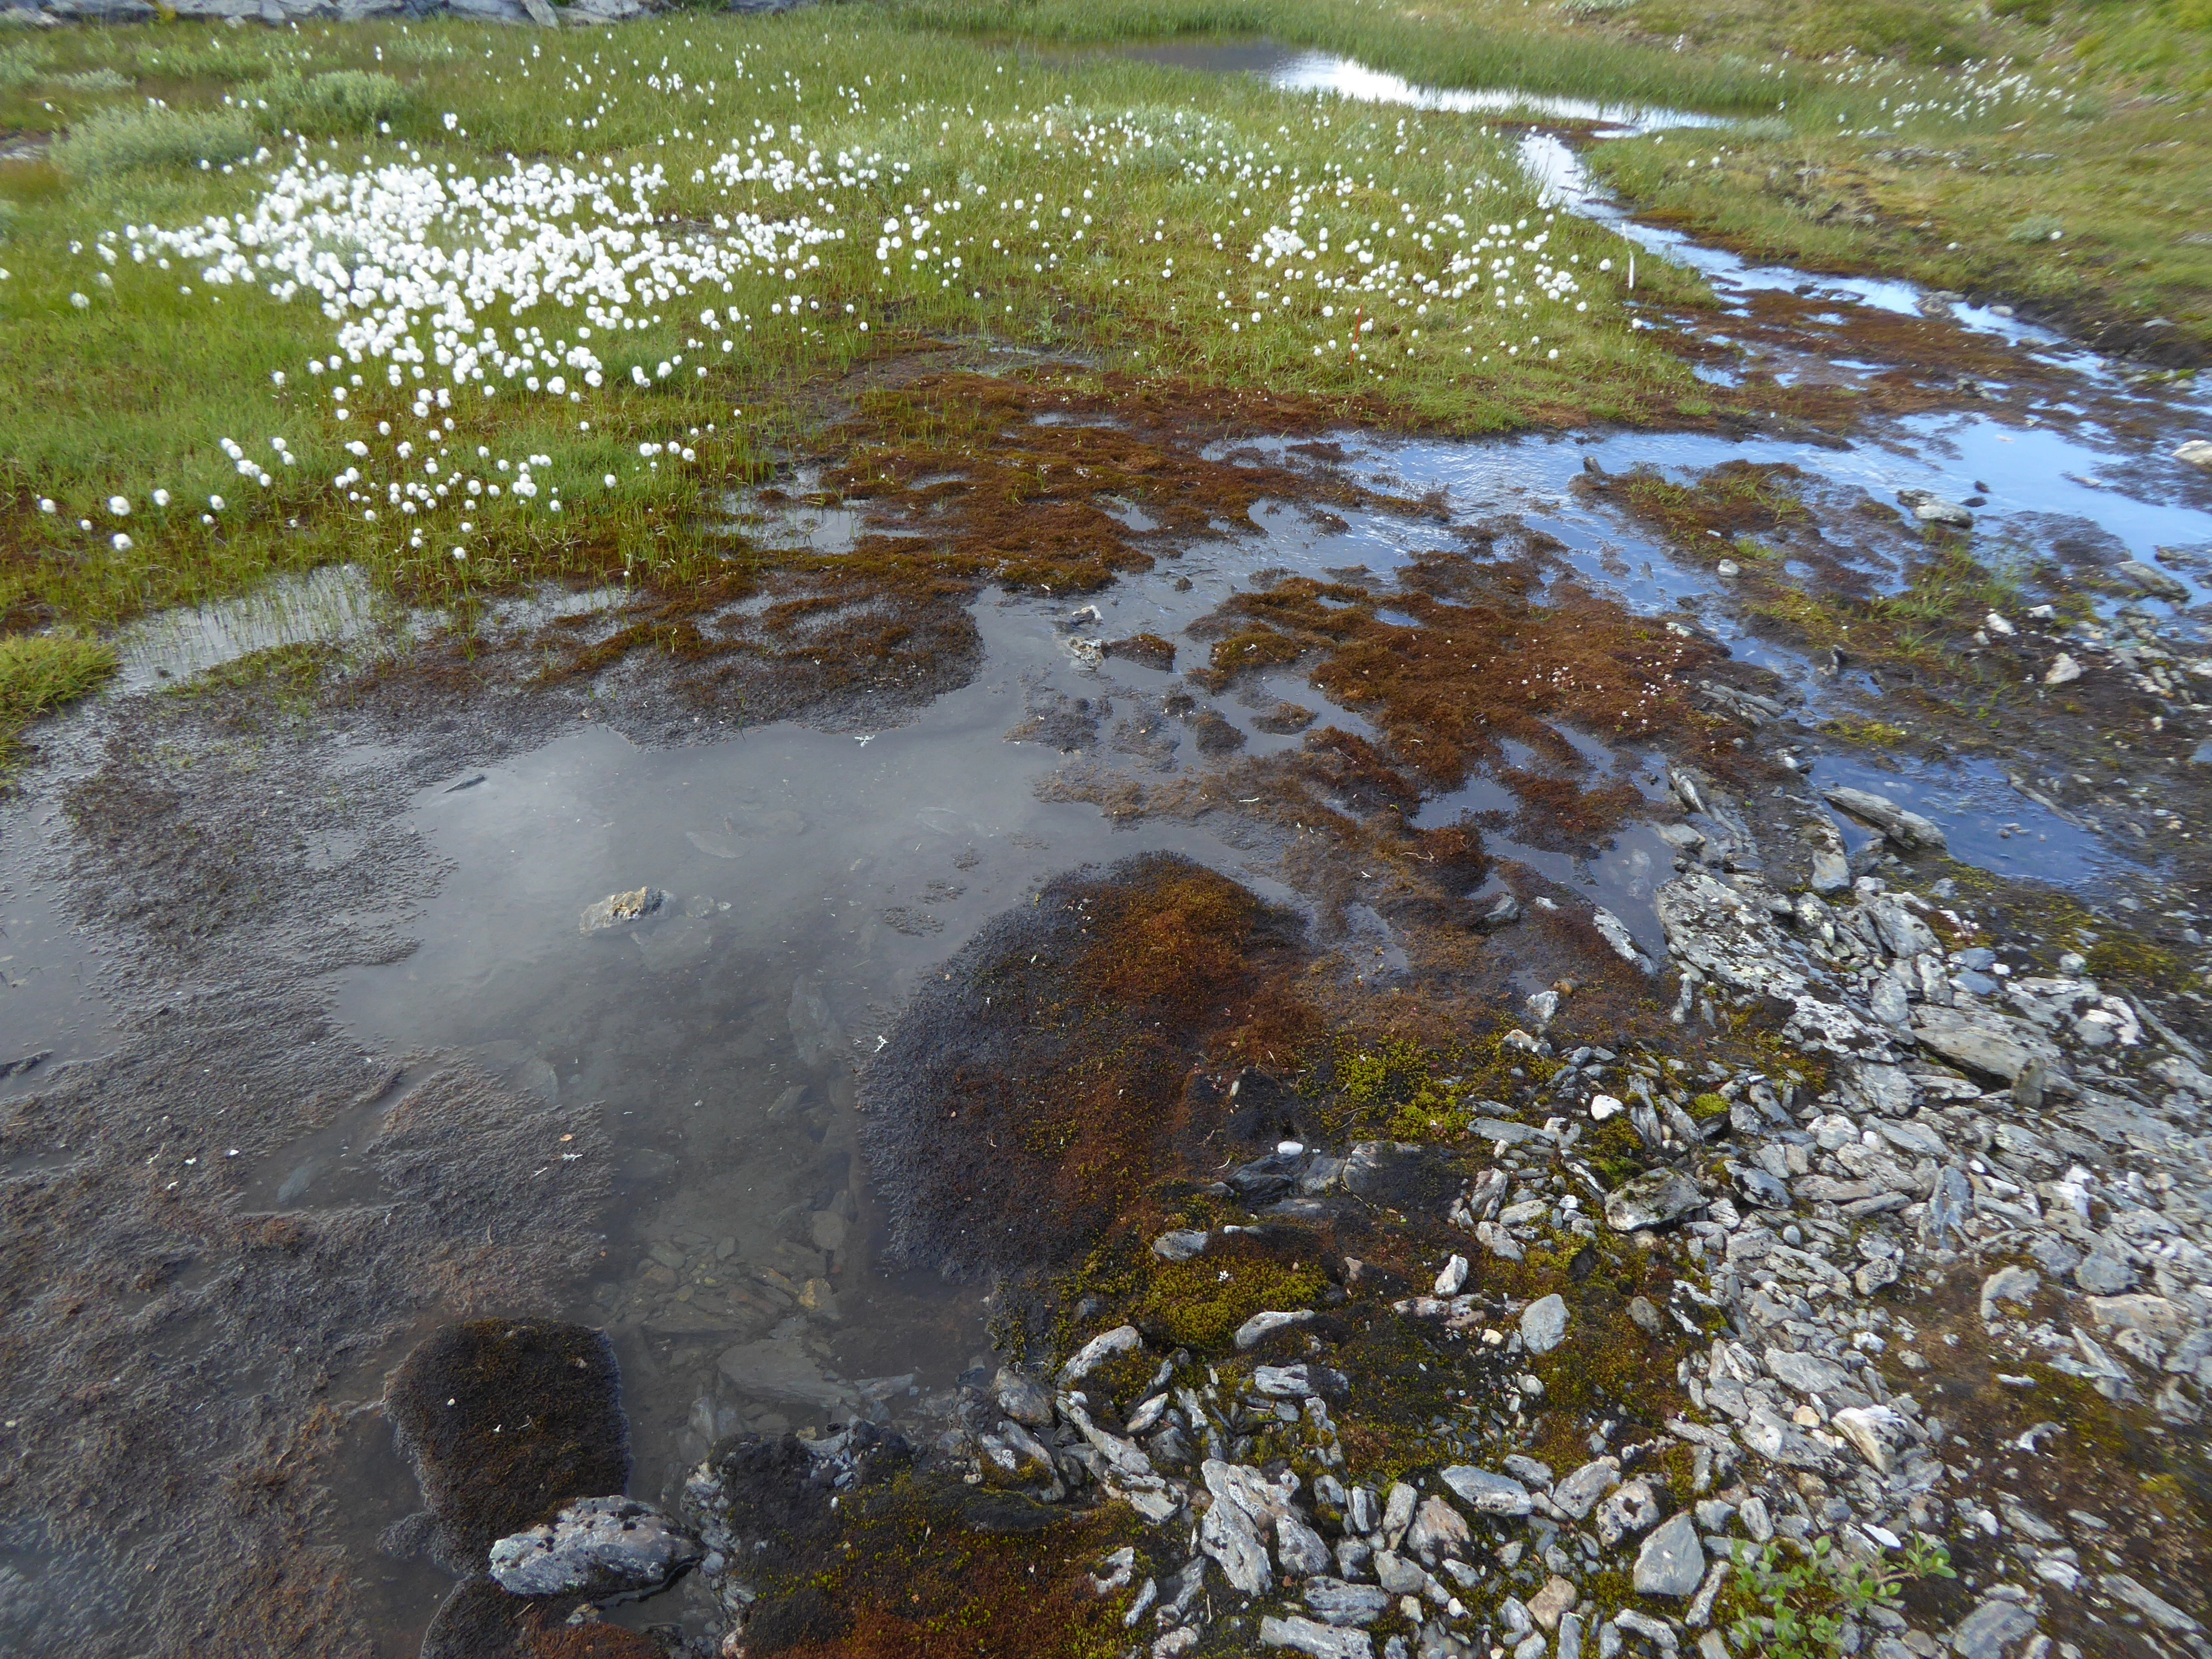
(125, 140)
(39, 672)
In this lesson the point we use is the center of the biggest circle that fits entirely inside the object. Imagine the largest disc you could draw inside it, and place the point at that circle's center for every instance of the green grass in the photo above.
(39, 672)
(119, 377)
(1106, 208)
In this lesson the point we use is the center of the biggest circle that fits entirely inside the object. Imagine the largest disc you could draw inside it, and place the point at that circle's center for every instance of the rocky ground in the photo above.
(1935, 1277)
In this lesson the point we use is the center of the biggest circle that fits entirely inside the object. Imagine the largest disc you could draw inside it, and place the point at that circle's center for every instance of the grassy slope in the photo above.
(2096, 131)
(120, 376)
(2115, 154)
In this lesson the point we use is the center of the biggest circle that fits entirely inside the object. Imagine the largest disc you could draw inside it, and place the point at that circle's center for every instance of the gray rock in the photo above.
(1297, 1382)
(1321, 1641)
(1990, 1628)
(1631, 1510)
(1807, 1373)
(1930, 508)
(1336, 1602)
(1181, 1245)
(2160, 1612)
(2196, 452)
(1487, 1493)
(1950, 1203)
(1907, 828)
(1299, 1550)
(1672, 1561)
(1579, 1492)
(2149, 579)
(1651, 1200)
(1544, 1324)
(1658, 1631)
(1917, 1137)
(2013, 1283)
(2103, 1273)
(603, 1547)
(1453, 1278)
(1398, 1575)
(1991, 1044)
(1832, 873)
(1262, 1326)
(1108, 1344)
(1226, 1533)
(1437, 1528)
(1022, 1398)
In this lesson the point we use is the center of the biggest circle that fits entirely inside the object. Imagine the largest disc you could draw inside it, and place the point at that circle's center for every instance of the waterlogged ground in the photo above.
(310, 1044)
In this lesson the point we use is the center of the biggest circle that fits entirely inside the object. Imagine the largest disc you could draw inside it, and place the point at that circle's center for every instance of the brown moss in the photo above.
(913, 1578)
(1032, 1094)
(1150, 649)
(504, 1421)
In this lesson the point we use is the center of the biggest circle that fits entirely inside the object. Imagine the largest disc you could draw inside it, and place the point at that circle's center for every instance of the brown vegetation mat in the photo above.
(1030, 1094)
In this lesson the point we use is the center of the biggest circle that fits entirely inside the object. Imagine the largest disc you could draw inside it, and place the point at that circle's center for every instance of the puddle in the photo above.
(1294, 70)
(329, 606)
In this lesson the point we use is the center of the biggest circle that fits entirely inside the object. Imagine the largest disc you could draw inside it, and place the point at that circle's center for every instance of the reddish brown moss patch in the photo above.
(1030, 1095)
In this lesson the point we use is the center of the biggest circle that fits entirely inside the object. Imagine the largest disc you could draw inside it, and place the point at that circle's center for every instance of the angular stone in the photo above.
(1992, 1045)
(1336, 1602)
(2149, 579)
(1022, 1398)
(1437, 1528)
(1299, 1550)
(607, 1548)
(1672, 1561)
(2103, 1273)
(1628, 1511)
(1651, 1200)
(2160, 1611)
(1262, 1326)
(1547, 1606)
(1181, 1245)
(1805, 1373)
(1228, 1535)
(1297, 1382)
(1579, 1492)
(1544, 1324)
(1907, 828)
(1108, 1344)
(1487, 1493)
(1398, 1575)
(2013, 1283)
(1453, 1278)
(1321, 1641)
(1930, 508)
(1870, 1428)
(1991, 1628)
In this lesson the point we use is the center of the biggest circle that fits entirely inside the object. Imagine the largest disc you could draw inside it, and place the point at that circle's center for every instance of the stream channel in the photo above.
(814, 878)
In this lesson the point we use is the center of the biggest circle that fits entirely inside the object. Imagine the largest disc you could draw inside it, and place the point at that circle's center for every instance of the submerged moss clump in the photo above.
(1035, 1094)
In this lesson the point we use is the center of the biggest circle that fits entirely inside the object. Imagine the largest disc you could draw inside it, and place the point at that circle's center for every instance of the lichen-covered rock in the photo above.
(606, 1548)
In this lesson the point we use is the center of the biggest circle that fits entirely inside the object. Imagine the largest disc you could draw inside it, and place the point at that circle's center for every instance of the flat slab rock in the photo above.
(602, 1547)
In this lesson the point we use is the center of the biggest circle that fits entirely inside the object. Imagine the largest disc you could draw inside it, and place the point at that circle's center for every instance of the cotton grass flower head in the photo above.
(121, 543)
(119, 506)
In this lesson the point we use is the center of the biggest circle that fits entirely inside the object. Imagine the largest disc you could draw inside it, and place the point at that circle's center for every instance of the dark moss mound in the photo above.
(910, 1564)
(1030, 1095)
(504, 1421)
